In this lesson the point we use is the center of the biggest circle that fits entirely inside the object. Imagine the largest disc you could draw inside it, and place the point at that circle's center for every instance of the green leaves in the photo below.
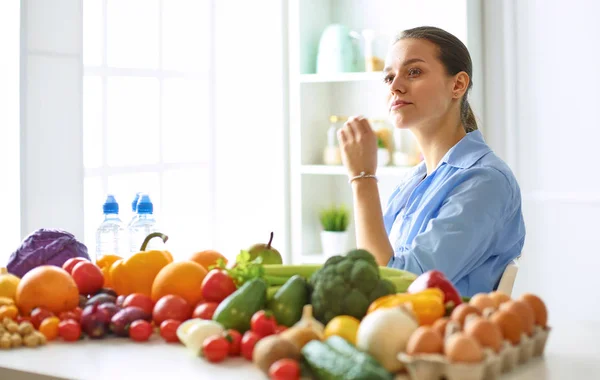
(244, 268)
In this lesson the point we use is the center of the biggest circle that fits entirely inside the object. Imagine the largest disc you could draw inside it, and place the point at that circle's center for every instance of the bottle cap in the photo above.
(144, 205)
(110, 206)
(135, 202)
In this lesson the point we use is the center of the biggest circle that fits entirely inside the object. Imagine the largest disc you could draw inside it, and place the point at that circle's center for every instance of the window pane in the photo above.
(186, 213)
(185, 121)
(185, 34)
(93, 199)
(132, 113)
(92, 32)
(92, 122)
(125, 186)
(132, 33)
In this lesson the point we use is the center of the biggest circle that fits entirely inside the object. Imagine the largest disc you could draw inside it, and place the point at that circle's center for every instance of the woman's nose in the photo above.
(398, 85)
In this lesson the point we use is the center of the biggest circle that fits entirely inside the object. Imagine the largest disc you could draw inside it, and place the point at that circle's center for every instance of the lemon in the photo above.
(8, 284)
(344, 326)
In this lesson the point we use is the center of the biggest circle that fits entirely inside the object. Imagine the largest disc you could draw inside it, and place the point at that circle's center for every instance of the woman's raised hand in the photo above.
(358, 144)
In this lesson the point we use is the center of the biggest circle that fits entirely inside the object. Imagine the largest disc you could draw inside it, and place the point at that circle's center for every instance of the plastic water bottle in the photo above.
(142, 225)
(110, 236)
(133, 210)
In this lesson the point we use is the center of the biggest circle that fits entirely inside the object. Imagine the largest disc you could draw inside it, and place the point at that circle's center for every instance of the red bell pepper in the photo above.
(436, 279)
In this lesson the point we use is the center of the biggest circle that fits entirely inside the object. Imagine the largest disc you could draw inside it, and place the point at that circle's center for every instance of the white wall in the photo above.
(547, 97)
(9, 127)
(51, 176)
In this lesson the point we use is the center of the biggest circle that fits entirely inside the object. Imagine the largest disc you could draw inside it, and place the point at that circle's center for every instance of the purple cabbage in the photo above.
(45, 247)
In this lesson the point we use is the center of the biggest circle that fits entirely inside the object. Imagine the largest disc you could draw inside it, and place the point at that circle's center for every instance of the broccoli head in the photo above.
(347, 285)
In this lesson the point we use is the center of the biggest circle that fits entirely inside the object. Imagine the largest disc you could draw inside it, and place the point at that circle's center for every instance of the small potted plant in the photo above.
(334, 236)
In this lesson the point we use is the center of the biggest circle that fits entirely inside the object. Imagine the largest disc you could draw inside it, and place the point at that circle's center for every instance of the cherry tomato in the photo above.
(235, 340)
(205, 310)
(263, 323)
(77, 311)
(88, 277)
(217, 285)
(280, 329)
(248, 342)
(69, 330)
(140, 300)
(68, 315)
(285, 369)
(38, 315)
(49, 327)
(168, 330)
(140, 330)
(215, 348)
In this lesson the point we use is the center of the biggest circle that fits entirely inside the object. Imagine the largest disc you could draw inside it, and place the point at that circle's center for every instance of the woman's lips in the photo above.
(397, 104)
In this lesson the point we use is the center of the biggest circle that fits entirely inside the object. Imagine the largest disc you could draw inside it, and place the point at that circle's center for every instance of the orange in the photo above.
(48, 287)
(182, 279)
(107, 260)
(49, 327)
(207, 258)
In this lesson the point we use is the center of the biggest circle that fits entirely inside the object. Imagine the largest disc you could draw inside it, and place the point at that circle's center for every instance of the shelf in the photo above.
(341, 77)
(341, 170)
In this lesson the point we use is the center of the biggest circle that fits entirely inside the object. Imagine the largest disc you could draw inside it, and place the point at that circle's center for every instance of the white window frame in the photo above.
(104, 72)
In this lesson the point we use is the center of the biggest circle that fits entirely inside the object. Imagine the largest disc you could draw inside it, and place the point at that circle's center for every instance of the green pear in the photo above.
(269, 254)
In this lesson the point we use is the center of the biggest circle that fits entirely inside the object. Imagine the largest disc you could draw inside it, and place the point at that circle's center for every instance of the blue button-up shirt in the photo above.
(464, 219)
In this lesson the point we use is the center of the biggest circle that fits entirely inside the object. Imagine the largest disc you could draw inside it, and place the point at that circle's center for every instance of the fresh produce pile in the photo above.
(346, 319)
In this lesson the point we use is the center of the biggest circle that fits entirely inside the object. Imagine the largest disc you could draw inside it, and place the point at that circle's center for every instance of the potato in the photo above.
(272, 348)
(12, 327)
(5, 341)
(31, 340)
(16, 340)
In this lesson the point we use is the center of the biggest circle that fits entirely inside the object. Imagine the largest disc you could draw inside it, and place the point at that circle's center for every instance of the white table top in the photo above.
(573, 352)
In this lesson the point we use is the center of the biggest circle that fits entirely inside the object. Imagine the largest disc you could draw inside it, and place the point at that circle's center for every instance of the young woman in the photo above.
(459, 211)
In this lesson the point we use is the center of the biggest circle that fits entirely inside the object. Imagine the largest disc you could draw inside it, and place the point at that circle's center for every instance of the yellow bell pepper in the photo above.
(136, 274)
(427, 305)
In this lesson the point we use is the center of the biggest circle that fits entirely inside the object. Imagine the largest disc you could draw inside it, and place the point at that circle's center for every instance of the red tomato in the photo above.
(140, 300)
(248, 342)
(215, 348)
(77, 311)
(171, 307)
(140, 330)
(280, 329)
(88, 277)
(235, 340)
(65, 315)
(217, 285)
(168, 330)
(69, 330)
(263, 323)
(285, 369)
(70, 264)
(205, 310)
(38, 315)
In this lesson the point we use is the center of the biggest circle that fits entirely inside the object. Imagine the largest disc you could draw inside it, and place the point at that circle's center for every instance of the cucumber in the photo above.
(336, 359)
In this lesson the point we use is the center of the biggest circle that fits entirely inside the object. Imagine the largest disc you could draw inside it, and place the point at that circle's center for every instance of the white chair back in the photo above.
(507, 281)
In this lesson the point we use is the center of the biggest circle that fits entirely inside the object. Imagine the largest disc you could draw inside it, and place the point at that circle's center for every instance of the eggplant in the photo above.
(120, 322)
(108, 291)
(94, 321)
(100, 299)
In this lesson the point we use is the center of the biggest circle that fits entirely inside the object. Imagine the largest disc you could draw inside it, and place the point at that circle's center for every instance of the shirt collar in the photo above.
(467, 151)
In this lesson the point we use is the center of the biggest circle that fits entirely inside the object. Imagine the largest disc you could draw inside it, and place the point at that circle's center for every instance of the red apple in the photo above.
(88, 277)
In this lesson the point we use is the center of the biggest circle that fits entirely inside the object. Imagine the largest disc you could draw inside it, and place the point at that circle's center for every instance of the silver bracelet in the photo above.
(363, 175)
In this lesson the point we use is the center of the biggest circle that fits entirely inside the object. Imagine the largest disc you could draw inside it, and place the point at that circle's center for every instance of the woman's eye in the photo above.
(414, 72)
(388, 79)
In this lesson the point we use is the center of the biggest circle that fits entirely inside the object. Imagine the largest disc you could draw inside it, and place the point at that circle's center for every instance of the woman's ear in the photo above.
(461, 84)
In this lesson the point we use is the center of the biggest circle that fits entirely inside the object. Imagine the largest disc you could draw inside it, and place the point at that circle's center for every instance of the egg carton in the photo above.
(436, 366)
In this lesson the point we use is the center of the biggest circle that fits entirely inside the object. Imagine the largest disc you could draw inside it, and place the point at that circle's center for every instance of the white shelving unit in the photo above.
(315, 97)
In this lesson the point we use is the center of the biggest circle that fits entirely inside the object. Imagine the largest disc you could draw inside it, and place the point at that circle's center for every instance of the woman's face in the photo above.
(420, 90)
